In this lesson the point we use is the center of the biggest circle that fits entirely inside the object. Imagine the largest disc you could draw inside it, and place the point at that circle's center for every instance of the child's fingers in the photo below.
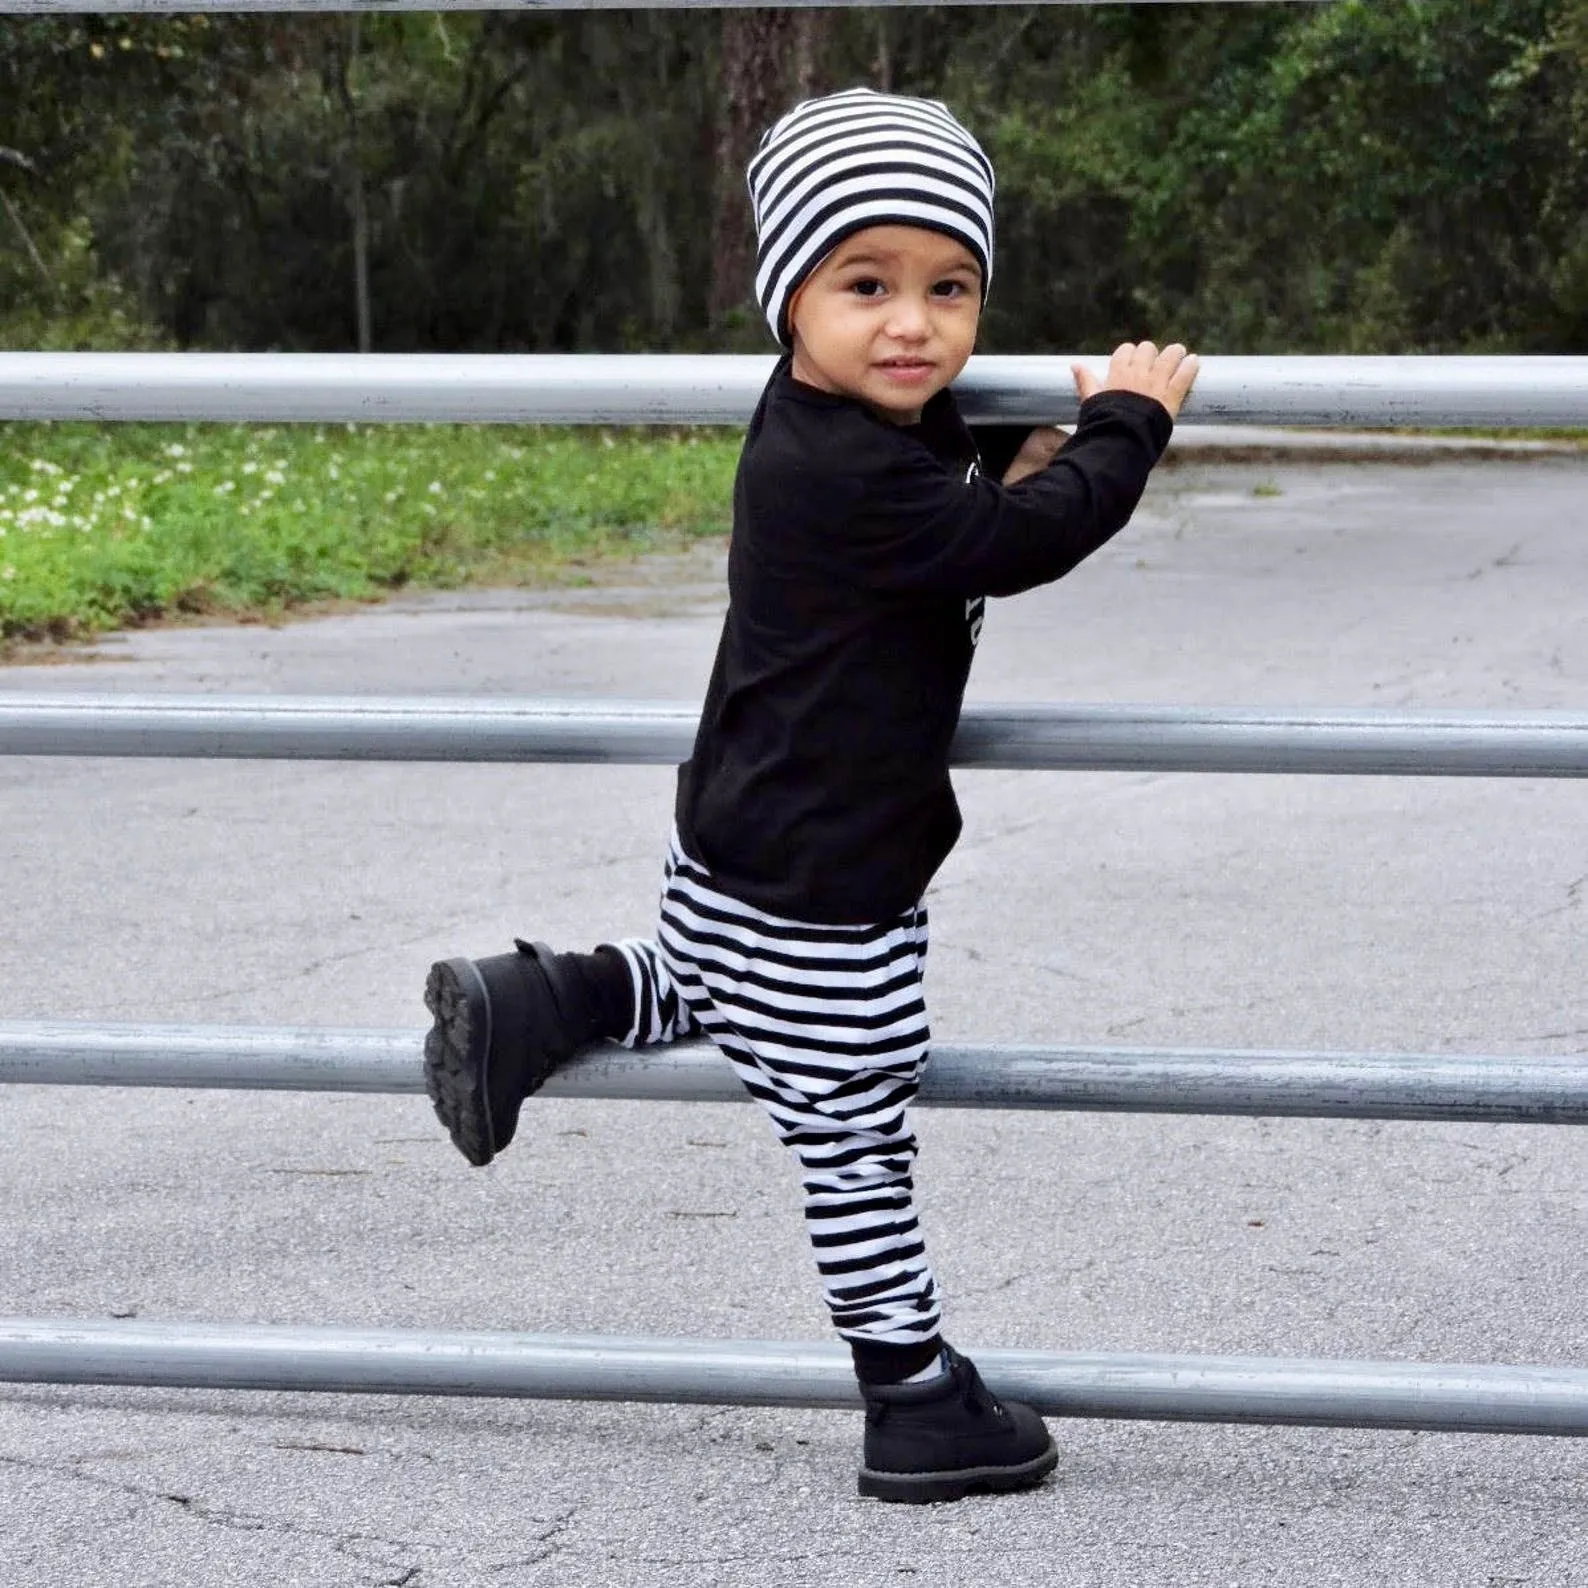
(1166, 373)
(1170, 359)
(1185, 376)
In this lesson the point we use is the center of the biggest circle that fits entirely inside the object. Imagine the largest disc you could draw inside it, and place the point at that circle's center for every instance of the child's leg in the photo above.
(826, 1026)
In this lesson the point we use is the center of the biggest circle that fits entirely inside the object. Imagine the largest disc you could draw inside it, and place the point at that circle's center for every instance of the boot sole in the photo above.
(457, 1057)
(924, 1488)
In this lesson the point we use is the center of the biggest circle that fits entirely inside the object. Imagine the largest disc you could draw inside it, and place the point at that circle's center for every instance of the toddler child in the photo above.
(869, 527)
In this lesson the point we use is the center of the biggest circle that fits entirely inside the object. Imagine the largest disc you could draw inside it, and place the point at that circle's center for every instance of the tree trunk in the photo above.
(14, 215)
(882, 61)
(758, 50)
(358, 206)
(812, 30)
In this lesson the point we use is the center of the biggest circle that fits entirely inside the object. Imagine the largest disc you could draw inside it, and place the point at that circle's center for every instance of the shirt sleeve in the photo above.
(918, 526)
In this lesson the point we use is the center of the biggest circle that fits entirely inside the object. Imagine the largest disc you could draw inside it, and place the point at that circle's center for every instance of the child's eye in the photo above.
(867, 287)
(948, 289)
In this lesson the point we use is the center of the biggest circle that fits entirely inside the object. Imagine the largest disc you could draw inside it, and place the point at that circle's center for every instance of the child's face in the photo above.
(888, 318)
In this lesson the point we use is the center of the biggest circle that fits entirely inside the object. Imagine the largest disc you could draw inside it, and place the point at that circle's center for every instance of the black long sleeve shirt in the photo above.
(861, 556)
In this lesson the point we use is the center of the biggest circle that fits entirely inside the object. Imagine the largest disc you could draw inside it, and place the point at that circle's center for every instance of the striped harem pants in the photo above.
(826, 1026)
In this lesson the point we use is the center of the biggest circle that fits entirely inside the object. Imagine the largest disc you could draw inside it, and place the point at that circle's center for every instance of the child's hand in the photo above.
(1035, 454)
(1140, 367)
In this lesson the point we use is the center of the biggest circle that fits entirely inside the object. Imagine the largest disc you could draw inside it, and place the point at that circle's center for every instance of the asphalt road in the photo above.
(1392, 914)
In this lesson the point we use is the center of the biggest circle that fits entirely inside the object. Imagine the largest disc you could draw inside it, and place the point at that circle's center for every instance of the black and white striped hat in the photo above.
(834, 166)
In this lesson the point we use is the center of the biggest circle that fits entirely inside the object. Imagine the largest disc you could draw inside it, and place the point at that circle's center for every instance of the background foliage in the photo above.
(1369, 175)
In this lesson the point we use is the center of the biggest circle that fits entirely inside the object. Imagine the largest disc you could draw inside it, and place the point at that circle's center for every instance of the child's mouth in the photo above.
(910, 371)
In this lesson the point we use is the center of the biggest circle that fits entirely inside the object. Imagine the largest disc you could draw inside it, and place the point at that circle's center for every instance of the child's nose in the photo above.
(909, 319)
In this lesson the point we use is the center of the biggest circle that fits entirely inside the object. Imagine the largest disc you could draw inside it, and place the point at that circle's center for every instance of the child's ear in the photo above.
(793, 309)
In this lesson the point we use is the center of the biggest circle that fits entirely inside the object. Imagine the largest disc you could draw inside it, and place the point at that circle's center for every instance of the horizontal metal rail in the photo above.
(1034, 738)
(1206, 1389)
(646, 389)
(1443, 1086)
(160, 7)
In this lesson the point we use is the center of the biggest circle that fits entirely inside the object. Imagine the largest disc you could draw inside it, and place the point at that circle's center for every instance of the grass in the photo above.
(1574, 435)
(109, 526)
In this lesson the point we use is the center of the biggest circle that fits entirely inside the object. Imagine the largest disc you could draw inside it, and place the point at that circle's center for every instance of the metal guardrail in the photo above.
(1428, 1396)
(674, 389)
(1438, 1086)
(1329, 392)
(163, 7)
(1030, 738)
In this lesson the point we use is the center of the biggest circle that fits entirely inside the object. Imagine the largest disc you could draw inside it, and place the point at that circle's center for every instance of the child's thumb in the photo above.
(1086, 383)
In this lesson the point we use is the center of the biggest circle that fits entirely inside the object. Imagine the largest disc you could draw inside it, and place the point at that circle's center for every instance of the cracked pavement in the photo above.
(1369, 913)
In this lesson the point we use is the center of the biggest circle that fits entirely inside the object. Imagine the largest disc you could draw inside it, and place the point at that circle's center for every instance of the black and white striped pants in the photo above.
(826, 1027)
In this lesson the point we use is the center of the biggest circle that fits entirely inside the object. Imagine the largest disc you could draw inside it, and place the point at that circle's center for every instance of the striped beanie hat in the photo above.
(834, 166)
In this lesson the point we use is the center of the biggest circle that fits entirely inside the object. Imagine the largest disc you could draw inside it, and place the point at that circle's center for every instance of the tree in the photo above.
(1385, 175)
(757, 52)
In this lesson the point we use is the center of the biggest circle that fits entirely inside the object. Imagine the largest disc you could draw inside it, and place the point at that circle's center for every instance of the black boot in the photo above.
(502, 1025)
(950, 1436)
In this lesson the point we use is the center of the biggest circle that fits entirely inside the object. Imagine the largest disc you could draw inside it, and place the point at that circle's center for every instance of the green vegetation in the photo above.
(105, 526)
(1365, 176)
